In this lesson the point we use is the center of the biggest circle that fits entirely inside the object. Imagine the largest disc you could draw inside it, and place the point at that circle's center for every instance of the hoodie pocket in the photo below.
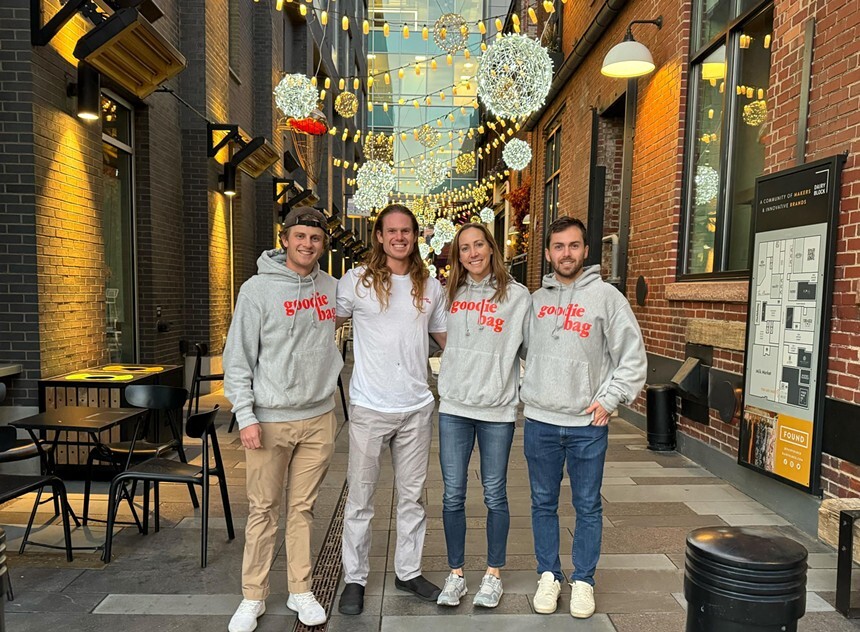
(471, 377)
(557, 384)
(311, 376)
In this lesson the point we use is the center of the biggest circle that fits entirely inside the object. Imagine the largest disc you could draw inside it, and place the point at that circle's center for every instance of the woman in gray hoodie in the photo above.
(478, 391)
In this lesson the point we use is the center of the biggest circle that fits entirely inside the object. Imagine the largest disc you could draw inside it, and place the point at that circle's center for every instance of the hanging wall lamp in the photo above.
(228, 178)
(630, 58)
(87, 90)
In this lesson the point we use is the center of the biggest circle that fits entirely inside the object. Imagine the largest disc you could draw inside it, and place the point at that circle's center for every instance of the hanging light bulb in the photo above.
(481, 28)
(365, 27)
(428, 101)
(415, 104)
(532, 15)
(324, 18)
(387, 79)
(370, 82)
(356, 83)
(484, 46)
(499, 25)
(405, 32)
(385, 106)
(466, 53)
(344, 23)
(341, 84)
(314, 82)
(417, 70)
(449, 59)
(433, 64)
(425, 33)
(442, 96)
(386, 30)
(327, 83)
(303, 10)
(400, 72)
(322, 95)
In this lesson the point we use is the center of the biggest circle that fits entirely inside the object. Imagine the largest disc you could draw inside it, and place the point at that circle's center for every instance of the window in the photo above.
(117, 229)
(552, 171)
(729, 80)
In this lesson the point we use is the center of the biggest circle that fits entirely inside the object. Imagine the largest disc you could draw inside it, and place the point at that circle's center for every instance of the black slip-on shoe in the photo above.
(420, 587)
(351, 599)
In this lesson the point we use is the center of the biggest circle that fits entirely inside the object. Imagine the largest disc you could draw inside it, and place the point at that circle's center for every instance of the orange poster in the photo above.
(792, 457)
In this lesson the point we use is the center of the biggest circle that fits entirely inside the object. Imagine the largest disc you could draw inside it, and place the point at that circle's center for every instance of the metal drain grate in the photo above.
(326, 575)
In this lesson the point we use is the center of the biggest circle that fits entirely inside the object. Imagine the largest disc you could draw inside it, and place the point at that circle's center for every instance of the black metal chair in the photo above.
(14, 486)
(157, 399)
(161, 470)
(197, 378)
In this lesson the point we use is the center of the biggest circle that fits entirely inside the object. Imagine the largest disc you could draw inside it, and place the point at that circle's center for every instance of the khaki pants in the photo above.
(300, 452)
(408, 435)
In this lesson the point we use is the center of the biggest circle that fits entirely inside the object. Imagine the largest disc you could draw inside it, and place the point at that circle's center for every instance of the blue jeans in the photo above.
(456, 442)
(546, 448)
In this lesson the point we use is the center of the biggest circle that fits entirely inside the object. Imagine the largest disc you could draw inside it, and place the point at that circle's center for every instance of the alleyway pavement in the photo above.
(651, 501)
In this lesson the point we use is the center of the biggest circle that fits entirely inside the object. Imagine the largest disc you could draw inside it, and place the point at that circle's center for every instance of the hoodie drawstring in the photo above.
(298, 298)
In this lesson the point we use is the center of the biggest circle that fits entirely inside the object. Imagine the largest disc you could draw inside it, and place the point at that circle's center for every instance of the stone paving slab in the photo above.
(486, 622)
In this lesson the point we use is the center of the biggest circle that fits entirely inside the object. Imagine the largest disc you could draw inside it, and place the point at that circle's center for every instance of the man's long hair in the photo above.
(377, 274)
(458, 274)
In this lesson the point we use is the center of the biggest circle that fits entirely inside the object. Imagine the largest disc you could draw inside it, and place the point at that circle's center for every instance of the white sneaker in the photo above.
(245, 617)
(546, 597)
(455, 587)
(309, 609)
(581, 600)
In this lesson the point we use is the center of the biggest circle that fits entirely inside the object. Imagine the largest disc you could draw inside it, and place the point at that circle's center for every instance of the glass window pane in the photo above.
(705, 171)
(556, 163)
(752, 47)
(116, 120)
(713, 17)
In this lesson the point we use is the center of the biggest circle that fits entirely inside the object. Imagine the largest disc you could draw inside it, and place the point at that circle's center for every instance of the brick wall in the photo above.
(19, 303)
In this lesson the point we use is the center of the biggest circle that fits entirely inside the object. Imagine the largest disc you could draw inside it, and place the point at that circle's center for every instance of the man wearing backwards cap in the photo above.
(280, 372)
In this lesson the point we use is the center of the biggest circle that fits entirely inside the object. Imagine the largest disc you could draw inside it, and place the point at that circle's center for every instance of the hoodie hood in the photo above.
(274, 262)
(563, 291)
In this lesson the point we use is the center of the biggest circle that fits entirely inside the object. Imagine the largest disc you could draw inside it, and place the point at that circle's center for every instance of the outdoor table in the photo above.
(102, 387)
(83, 419)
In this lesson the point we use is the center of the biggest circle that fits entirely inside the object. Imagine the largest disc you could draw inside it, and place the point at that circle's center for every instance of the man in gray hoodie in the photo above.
(586, 357)
(280, 372)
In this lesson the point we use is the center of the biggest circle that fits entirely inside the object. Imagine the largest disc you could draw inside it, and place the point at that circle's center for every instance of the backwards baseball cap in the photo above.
(304, 217)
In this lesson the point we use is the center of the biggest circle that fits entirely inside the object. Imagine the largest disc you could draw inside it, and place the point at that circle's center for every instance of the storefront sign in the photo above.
(788, 326)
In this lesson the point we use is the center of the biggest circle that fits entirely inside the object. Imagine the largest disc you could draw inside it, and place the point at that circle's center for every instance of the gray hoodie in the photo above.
(584, 345)
(280, 360)
(480, 371)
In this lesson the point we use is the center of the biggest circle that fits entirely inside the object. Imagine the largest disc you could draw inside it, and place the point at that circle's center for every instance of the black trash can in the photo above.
(4, 580)
(660, 414)
(740, 579)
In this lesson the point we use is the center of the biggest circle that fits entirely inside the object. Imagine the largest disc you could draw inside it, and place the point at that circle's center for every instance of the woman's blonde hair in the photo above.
(377, 274)
(458, 274)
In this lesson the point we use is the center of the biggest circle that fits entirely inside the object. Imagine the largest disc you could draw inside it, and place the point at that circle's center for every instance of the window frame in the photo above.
(727, 37)
(129, 149)
(551, 183)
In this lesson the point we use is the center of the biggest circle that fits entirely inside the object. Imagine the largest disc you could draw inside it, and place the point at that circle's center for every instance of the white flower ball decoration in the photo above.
(424, 250)
(376, 177)
(517, 154)
(444, 230)
(487, 215)
(707, 185)
(514, 76)
(432, 270)
(296, 96)
(431, 173)
(368, 201)
(436, 244)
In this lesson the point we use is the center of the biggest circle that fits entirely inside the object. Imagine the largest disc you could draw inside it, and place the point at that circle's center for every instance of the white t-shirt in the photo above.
(391, 346)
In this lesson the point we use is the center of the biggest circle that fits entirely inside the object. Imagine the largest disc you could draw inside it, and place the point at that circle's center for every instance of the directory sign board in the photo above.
(788, 325)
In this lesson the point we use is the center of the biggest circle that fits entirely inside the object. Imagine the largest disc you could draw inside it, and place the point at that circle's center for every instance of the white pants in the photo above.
(409, 436)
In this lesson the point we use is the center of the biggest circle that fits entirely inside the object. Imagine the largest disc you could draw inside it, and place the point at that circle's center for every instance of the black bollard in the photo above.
(4, 580)
(660, 413)
(740, 579)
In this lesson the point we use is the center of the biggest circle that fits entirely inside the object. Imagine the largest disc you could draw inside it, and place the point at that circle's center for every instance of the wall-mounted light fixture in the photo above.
(128, 49)
(228, 179)
(87, 90)
(629, 58)
(253, 155)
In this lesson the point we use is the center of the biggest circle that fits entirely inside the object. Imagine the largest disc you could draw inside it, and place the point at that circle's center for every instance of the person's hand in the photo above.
(601, 417)
(252, 437)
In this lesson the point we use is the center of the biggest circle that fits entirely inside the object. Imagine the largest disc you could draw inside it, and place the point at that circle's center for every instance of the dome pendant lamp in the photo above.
(630, 58)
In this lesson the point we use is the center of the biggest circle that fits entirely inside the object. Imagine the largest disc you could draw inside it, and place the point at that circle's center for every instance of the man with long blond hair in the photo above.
(395, 306)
